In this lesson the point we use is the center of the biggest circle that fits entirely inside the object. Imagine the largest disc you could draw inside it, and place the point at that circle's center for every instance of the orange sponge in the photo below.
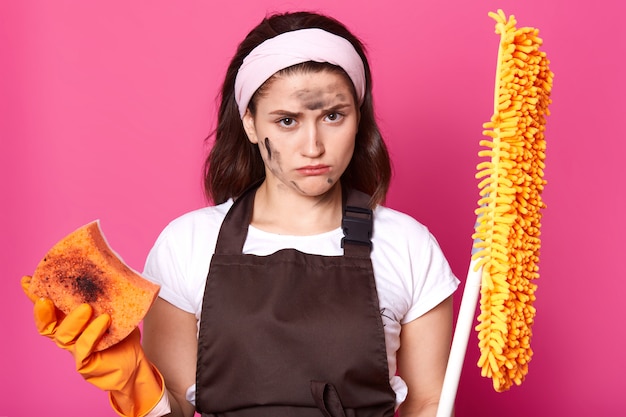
(82, 268)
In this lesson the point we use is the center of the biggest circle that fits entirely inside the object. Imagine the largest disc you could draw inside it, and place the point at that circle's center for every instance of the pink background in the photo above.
(105, 106)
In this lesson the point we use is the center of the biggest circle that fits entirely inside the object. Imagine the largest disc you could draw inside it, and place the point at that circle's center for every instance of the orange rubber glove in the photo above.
(135, 385)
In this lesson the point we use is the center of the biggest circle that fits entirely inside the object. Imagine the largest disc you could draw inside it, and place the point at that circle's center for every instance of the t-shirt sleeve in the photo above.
(164, 267)
(433, 279)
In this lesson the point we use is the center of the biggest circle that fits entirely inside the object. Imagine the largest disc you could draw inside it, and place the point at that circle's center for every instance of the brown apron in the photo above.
(292, 334)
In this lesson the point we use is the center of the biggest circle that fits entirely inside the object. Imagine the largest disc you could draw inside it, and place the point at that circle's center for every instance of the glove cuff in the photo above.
(139, 398)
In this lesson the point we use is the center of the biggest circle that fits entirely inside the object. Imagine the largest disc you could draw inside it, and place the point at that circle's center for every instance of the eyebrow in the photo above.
(291, 114)
(285, 113)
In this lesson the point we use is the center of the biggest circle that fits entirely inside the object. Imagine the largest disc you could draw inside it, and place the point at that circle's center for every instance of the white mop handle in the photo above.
(464, 324)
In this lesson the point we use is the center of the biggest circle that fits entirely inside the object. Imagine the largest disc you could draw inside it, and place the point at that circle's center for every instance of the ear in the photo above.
(248, 126)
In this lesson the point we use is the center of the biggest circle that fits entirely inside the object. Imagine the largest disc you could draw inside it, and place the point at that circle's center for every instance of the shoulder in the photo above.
(197, 227)
(400, 236)
(393, 224)
(399, 242)
(193, 233)
(206, 217)
(187, 240)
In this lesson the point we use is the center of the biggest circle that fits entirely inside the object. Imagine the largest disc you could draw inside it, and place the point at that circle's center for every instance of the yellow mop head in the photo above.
(508, 227)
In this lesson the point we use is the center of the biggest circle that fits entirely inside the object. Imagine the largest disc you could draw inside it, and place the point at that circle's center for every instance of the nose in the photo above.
(313, 145)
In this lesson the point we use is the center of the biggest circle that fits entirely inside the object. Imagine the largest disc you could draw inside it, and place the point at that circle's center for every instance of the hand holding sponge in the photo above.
(118, 365)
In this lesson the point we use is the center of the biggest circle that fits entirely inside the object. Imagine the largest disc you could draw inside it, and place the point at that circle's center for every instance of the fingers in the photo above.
(76, 332)
(73, 325)
(25, 281)
(45, 315)
(87, 341)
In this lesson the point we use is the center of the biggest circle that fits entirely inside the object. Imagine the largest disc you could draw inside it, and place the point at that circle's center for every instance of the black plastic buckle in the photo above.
(357, 226)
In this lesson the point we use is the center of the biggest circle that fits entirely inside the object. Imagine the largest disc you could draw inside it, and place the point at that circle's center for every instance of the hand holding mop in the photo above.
(505, 253)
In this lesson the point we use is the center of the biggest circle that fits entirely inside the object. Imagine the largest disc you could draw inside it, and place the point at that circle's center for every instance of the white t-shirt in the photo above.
(412, 275)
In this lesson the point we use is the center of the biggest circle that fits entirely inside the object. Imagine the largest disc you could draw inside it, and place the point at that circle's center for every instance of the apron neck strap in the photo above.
(357, 224)
(234, 229)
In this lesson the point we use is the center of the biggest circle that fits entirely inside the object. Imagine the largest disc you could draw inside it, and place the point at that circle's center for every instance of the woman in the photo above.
(297, 294)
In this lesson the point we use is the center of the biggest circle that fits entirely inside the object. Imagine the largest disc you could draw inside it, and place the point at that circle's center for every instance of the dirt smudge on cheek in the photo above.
(268, 148)
(297, 187)
(273, 157)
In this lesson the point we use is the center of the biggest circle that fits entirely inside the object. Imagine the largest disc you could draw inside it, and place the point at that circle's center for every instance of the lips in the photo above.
(312, 170)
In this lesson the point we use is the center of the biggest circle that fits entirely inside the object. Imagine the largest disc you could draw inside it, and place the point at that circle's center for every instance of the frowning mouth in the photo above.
(311, 170)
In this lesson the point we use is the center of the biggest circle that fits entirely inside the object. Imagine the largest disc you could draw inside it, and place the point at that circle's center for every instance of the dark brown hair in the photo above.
(234, 163)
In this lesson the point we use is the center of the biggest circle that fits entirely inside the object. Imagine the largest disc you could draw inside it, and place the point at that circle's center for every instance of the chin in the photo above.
(316, 190)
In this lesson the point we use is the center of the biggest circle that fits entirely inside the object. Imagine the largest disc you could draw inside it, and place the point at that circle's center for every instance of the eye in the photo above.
(286, 121)
(334, 116)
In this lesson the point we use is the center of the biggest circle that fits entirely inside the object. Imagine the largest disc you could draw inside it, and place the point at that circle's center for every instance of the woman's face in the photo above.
(305, 126)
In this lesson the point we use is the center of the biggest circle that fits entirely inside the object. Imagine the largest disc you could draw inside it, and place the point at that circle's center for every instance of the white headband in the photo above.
(291, 48)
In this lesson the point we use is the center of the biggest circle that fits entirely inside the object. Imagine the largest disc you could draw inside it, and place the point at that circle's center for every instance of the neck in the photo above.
(284, 212)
